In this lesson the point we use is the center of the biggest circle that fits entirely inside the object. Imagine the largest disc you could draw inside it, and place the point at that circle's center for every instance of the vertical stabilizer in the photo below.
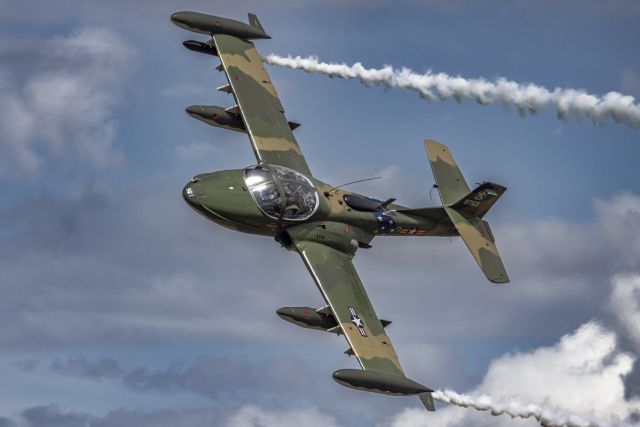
(427, 401)
(255, 23)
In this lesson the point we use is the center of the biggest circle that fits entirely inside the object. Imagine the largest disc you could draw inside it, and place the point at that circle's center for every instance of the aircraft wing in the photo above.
(342, 289)
(338, 281)
(258, 104)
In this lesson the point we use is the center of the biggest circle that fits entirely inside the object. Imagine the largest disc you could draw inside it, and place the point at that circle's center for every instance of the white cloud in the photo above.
(619, 223)
(579, 381)
(625, 302)
(63, 103)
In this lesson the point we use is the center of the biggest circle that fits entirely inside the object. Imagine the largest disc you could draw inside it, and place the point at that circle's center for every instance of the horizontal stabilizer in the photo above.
(477, 235)
(449, 180)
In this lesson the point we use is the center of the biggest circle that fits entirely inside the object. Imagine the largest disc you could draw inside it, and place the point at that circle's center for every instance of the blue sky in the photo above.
(122, 307)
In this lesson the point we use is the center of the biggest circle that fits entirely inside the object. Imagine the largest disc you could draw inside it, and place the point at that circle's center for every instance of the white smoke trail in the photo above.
(528, 98)
(547, 417)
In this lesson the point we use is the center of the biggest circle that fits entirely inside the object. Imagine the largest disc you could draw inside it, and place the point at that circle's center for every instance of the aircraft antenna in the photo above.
(355, 182)
(431, 191)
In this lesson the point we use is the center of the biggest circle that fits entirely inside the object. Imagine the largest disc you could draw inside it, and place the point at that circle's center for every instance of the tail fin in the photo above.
(255, 23)
(427, 400)
(480, 200)
(466, 208)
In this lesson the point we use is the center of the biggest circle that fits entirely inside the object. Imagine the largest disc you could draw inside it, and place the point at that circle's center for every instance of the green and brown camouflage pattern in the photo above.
(449, 180)
(338, 281)
(465, 208)
(328, 238)
(263, 115)
(477, 235)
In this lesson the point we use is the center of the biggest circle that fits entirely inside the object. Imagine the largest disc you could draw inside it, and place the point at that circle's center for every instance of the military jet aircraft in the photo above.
(279, 197)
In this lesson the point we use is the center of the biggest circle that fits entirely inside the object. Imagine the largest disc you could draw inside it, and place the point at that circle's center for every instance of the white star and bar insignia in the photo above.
(358, 322)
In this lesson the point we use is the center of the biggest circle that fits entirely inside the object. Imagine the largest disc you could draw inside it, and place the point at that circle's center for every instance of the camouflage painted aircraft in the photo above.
(280, 198)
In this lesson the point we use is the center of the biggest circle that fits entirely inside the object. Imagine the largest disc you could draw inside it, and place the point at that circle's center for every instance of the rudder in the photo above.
(481, 199)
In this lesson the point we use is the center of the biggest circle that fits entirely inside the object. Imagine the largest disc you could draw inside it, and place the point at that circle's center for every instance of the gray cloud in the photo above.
(120, 272)
(127, 264)
(111, 270)
(26, 365)
(54, 416)
(51, 416)
(58, 96)
(226, 379)
(630, 81)
(81, 367)
(246, 416)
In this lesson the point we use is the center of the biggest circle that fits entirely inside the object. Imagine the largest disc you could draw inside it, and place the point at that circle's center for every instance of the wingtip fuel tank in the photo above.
(209, 24)
(379, 382)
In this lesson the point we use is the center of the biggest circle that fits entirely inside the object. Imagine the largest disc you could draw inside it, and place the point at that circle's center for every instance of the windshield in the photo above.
(281, 193)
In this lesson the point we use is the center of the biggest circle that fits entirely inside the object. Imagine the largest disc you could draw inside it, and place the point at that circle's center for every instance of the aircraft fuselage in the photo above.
(225, 198)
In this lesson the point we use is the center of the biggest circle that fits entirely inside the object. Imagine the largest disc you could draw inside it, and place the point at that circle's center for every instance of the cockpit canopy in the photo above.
(281, 193)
